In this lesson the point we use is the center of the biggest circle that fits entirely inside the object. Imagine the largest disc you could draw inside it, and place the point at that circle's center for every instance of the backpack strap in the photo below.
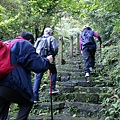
(37, 42)
(49, 43)
(48, 39)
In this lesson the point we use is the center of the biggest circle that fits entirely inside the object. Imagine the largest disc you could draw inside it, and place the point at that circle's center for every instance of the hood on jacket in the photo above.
(47, 31)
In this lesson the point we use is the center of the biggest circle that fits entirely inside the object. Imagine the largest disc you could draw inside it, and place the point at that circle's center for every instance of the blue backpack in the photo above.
(87, 37)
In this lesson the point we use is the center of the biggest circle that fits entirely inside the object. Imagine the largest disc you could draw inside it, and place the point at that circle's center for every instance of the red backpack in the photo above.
(5, 65)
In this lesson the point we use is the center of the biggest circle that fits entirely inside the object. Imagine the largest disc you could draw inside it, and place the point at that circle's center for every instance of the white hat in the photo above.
(47, 30)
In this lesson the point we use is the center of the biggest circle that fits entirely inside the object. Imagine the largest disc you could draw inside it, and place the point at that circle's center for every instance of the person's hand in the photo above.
(50, 58)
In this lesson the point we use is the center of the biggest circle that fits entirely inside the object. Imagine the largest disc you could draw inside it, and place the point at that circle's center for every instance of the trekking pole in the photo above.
(36, 32)
(100, 57)
(50, 74)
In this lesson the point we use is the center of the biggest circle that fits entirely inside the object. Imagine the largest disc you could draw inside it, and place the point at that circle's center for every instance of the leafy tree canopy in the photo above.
(18, 15)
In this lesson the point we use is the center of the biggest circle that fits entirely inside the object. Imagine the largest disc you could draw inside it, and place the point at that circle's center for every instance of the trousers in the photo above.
(8, 96)
(38, 78)
(89, 58)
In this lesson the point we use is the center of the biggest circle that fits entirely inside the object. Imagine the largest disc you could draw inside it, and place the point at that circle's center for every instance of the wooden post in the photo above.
(71, 46)
(60, 50)
(78, 44)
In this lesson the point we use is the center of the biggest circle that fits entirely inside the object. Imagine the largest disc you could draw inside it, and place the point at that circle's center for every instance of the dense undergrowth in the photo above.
(111, 60)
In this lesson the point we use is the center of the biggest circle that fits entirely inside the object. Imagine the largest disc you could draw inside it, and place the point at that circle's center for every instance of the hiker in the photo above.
(88, 48)
(16, 87)
(51, 50)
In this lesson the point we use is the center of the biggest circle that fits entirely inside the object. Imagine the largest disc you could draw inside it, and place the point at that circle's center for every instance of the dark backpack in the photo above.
(5, 65)
(41, 46)
(87, 37)
(46, 46)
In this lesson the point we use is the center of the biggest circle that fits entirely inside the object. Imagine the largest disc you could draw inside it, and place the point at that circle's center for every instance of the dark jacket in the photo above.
(24, 54)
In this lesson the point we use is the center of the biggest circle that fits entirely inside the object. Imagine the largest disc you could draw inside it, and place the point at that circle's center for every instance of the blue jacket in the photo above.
(24, 54)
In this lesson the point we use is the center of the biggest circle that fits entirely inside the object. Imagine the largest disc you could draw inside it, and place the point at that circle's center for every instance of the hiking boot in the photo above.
(37, 101)
(54, 91)
(87, 75)
(91, 69)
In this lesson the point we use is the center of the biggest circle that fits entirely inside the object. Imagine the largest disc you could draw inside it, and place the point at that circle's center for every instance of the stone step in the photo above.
(77, 70)
(81, 97)
(71, 69)
(68, 77)
(55, 117)
(76, 73)
(68, 87)
(81, 109)
(74, 62)
(92, 83)
(69, 66)
(73, 83)
(47, 105)
(84, 89)
(93, 78)
(72, 73)
(62, 117)
(74, 96)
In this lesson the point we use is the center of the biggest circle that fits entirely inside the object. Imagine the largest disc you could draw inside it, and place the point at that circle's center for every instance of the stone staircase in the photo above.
(78, 99)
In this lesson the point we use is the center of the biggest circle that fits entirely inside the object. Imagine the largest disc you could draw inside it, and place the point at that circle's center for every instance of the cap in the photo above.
(27, 36)
(47, 30)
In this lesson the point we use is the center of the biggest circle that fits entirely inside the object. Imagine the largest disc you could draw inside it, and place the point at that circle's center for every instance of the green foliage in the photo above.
(111, 59)
(116, 23)
(111, 107)
(28, 16)
(13, 111)
(97, 14)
